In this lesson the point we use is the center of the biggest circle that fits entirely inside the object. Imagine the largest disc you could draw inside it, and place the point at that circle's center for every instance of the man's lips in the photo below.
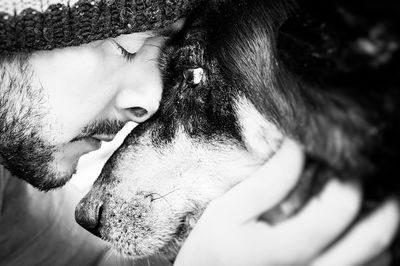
(103, 137)
(96, 137)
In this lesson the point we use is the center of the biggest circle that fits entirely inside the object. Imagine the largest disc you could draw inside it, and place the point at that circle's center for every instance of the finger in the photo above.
(367, 240)
(322, 220)
(384, 259)
(266, 187)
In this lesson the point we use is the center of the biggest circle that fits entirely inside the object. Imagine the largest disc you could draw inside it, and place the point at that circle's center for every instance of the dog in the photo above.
(240, 78)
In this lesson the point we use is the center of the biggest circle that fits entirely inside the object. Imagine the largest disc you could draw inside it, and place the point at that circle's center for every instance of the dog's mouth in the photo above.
(183, 229)
(141, 243)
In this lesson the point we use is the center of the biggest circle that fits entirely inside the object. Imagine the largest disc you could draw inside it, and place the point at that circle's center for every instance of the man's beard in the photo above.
(30, 158)
(22, 151)
(23, 112)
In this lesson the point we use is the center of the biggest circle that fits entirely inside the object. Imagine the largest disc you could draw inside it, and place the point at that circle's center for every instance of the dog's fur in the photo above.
(324, 74)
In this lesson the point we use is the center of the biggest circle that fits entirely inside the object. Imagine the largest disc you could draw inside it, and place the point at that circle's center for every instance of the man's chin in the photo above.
(43, 172)
(65, 160)
(41, 178)
(59, 172)
(48, 184)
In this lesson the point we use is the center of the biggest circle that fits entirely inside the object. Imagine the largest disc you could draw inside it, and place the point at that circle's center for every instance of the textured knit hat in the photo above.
(28, 25)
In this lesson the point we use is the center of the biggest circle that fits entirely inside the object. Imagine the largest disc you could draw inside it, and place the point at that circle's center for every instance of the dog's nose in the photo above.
(88, 214)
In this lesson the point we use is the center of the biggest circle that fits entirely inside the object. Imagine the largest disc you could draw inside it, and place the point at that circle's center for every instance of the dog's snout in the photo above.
(88, 214)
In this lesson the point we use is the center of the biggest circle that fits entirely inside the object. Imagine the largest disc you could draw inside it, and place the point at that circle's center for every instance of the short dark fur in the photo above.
(321, 86)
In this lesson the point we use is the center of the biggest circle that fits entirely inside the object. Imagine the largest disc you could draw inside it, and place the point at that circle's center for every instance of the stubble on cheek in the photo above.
(24, 111)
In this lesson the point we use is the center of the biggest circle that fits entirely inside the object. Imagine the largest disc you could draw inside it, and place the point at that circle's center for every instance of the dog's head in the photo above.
(207, 136)
(228, 103)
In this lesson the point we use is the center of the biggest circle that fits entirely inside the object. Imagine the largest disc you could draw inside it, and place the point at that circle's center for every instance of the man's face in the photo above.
(64, 102)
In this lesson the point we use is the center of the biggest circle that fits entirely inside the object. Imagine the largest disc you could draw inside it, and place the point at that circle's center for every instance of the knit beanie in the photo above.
(29, 25)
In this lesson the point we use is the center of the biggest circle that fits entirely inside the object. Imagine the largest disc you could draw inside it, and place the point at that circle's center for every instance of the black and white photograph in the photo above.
(199, 133)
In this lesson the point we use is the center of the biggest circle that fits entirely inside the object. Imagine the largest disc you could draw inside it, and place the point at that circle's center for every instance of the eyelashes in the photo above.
(127, 55)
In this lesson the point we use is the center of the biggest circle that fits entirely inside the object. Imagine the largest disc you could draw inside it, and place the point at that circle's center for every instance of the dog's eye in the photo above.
(194, 75)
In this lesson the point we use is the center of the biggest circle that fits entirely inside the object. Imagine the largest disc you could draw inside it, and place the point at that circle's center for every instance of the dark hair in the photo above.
(332, 81)
(325, 73)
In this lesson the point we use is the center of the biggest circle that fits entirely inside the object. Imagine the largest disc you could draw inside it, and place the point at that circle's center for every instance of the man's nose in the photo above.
(141, 85)
(140, 101)
(88, 214)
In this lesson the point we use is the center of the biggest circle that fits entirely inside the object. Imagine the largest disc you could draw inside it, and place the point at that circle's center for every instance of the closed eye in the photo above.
(127, 55)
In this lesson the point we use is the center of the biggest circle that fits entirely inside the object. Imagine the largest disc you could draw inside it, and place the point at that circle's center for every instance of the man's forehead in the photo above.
(133, 42)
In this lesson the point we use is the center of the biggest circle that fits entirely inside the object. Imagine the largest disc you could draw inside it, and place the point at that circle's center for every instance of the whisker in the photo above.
(163, 196)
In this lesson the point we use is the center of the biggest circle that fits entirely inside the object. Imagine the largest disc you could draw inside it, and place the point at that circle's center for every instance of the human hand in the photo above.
(230, 233)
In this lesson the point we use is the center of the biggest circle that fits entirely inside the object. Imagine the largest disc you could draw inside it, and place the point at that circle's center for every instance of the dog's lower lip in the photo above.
(182, 229)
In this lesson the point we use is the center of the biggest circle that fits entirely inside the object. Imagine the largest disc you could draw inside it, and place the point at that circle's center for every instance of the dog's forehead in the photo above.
(195, 94)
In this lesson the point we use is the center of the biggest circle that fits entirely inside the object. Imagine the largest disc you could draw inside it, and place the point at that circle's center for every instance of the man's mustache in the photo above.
(104, 127)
